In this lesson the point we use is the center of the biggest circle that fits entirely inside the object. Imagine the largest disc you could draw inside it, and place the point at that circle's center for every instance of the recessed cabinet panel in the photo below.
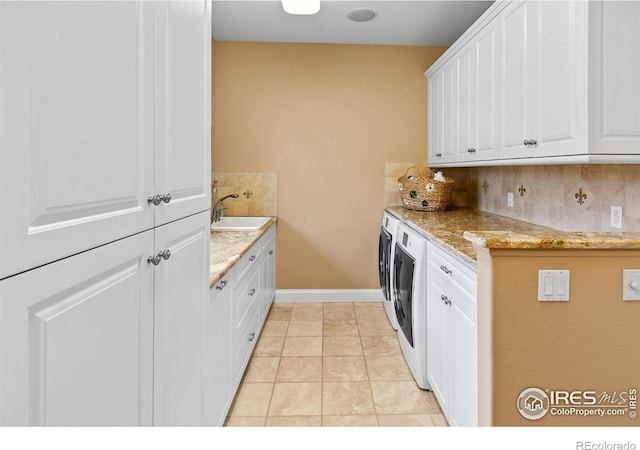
(76, 340)
(487, 94)
(449, 117)
(435, 118)
(560, 66)
(217, 357)
(438, 354)
(466, 100)
(76, 151)
(517, 81)
(181, 291)
(615, 67)
(183, 108)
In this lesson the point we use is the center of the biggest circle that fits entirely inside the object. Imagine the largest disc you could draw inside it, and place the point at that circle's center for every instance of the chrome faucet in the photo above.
(217, 209)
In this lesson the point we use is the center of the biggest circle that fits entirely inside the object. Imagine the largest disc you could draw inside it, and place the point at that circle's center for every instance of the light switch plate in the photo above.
(553, 285)
(631, 292)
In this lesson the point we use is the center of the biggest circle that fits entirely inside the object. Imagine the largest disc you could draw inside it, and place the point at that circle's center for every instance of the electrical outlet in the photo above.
(510, 199)
(616, 217)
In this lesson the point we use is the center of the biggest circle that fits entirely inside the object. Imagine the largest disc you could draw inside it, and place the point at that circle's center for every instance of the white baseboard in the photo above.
(328, 295)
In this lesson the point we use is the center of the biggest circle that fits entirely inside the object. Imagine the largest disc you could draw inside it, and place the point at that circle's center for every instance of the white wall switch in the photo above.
(631, 285)
(553, 285)
(510, 199)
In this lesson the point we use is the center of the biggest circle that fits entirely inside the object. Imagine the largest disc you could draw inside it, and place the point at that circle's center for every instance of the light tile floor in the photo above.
(330, 364)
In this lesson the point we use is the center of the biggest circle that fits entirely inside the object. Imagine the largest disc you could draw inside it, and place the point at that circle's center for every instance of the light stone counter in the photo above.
(227, 247)
(458, 229)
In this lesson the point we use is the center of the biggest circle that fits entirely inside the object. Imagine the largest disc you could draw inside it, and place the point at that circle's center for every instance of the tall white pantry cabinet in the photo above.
(105, 138)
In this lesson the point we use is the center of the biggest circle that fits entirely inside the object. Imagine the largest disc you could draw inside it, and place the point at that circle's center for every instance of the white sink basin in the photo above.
(239, 223)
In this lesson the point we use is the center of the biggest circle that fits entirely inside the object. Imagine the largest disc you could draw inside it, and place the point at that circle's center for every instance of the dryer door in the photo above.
(403, 293)
(384, 256)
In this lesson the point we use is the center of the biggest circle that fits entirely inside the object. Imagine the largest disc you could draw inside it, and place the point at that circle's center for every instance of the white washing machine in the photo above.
(410, 300)
(386, 252)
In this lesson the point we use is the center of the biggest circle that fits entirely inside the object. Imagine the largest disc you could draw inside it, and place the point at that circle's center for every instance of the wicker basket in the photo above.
(423, 193)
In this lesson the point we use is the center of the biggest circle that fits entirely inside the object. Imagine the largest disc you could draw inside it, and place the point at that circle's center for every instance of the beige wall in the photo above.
(326, 119)
(588, 343)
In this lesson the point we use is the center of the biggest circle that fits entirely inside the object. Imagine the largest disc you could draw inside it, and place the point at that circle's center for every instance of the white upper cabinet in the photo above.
(543, 79)
(567, 84)
(183, 108)
(517, 80)
(442, 114)
(104, 105)
(614, 74)
(76, 147)
(477, 98)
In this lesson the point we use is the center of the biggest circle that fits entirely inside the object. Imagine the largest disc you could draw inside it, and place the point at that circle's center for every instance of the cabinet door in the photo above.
(449, 116)
(559, 64)
(181, 286)
(517, 79)
(442, 112)
(438, 346)
(463, 400)
(466, 107)
(485, 117)
(76, 339)
(183, 108)
(217, 353)
(77, 121)
(435, 90)
(268, 289)
(614, 90)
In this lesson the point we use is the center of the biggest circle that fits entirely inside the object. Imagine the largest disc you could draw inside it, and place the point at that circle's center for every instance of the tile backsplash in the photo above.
(568, 198)
(258, 192)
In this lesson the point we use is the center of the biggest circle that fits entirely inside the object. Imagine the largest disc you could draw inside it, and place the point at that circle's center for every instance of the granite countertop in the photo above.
(459, 229)
(227, 247)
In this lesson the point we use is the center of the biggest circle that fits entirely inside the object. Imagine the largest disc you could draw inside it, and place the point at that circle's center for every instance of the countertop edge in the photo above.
(559, 240)
(251, 238)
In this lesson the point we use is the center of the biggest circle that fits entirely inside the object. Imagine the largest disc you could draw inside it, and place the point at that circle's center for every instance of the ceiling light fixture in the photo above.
(361, 15)
(301, 7)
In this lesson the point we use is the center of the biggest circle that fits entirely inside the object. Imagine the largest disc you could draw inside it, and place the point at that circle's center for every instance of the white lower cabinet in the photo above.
(244, 315)
(107, 338)
(217, 361)
(76, 339)
(181, 288)
(452, 344)
(268, 289)
(238, 306)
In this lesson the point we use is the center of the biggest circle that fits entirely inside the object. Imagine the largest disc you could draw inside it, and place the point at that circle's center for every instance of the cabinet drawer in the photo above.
(245, 299)
(248, 261)
(451, 295)
(460, 276)
(243, 344)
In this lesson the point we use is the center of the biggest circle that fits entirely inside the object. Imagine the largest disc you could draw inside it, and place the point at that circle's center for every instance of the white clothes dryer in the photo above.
(410, 300)
(386, 253)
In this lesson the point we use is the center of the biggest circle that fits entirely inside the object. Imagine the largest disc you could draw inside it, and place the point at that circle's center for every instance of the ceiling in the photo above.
(397, 22)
